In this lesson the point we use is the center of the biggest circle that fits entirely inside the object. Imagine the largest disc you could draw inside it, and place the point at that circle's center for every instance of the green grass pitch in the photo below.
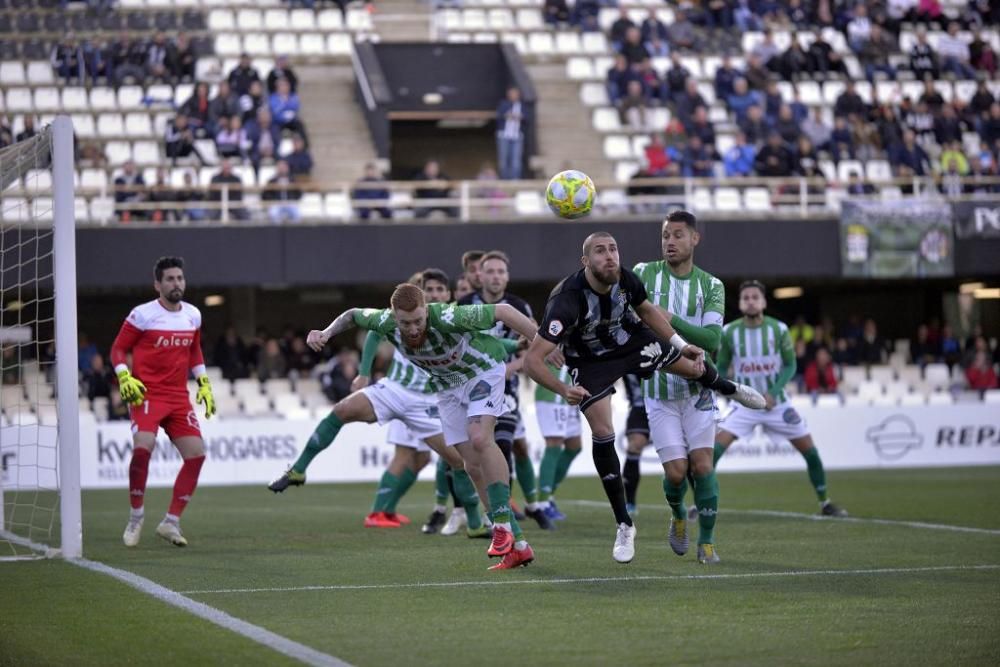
(790, 590)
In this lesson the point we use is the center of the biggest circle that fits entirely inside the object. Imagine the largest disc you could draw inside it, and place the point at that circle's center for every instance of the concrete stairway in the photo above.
(566, 136)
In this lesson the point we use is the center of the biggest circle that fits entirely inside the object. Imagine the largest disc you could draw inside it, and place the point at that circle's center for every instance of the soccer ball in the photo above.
(570, 194)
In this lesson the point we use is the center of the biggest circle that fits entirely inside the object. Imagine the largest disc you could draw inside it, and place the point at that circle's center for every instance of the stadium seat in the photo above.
(940, 398)
(249, 19)
(870, 388)
(606, 119)
(94, 178)
(329, 19)
(594, 95)
(257, 44)
(701, 199)
(227, 406)
(276, 19)
(617, 147)
(286, 44)
(882, 374)
(220, 20)
(897, 388)
(228, 44)
(473, 19)
(757, 199)
(110, 125)
(306, 386)
(39, 72)
(530, 19)
(12, 73)
(302, 19)
(612, 200)
(625, 170)
(339, 44)
(146, 153)
(912, 399)
(937, 376)
(828, 401)
(103, 99)
(878, 171)
(832, 90)
(359, 20)
(14, 209)
(856, 400)
(312, 45)
(964, 90)
(580, 68)
(46, 99)
(83, 126)
(528, 202)
(129, 98)
(500, 20)
(286, 403)
(256, 405)
(845, 168)
(311, 205)
(728, 199)
(568, 43)
(117, 152)
(80, 210)
(102, 209)
(541, 43)
(992, 396)
(338, 205)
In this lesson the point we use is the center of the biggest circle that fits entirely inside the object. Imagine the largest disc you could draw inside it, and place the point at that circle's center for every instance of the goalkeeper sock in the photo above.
(526, 480)
(441, 483)
(719, 450)
(547, 472)
(566, 457)
(138, 471)
(817, 475)
(185, 484)
(711, 379)
(609, 469)
(406, 480)
(675, 497)
(706, 497)
(386, 487)
(321, 438)
(631, 476)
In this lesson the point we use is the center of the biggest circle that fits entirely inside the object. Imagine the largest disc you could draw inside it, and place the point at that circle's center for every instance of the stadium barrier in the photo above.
(247, 451)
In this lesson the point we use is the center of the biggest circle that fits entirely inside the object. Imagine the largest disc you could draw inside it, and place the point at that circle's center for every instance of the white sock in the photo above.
(520, 545)
(531, 507)
(505, 526)
(440, 508)
(172, 518)
(137, 513)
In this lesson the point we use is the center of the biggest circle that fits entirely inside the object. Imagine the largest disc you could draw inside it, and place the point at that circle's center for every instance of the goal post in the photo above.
(39, 394)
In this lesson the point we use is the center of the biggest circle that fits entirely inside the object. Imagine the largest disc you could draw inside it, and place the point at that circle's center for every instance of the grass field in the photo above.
(790, 589)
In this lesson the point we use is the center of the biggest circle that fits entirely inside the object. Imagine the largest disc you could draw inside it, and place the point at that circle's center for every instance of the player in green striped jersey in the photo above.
(559, 424)
(760, 352)
(681, 412)
(465, 368)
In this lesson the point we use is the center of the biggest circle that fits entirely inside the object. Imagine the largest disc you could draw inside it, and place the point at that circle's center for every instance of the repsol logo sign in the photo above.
(983, 435)
(173, 341)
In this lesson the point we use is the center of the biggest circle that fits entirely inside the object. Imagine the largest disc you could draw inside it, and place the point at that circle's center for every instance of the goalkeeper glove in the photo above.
(204, 396)
(131, 389)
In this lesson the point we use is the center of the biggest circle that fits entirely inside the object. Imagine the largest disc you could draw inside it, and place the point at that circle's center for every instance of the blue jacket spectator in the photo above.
(738, 160)
(299, 161)
(284, 103)
(264, 136)
(910, 154)
(725, 77)
(371, 187)
(697, 159)
(742, 99)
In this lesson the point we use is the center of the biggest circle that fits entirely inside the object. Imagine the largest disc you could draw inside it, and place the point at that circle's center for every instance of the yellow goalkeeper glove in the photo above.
(132, 390)
(204, 396)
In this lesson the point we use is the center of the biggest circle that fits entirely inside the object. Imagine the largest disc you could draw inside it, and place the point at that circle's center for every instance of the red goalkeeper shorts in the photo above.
(176, 416)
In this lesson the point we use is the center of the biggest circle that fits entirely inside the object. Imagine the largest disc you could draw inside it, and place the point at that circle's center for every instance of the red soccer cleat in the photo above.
(516, 558)
(503, 542)
(380, 520)
(401, 518)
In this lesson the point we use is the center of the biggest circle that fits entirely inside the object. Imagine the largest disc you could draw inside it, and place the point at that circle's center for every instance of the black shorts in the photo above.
(599, 374)
(637, 422)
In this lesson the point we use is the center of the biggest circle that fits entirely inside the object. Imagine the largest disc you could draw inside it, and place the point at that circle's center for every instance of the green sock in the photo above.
(717, 454)
(706, 497)
(817, 475)
(499, 497)
(441, 483)
(406, 480)
(386, 488)
(675, 497)
(566, 457)
(547, 472)
(321, 438)
(515, 529)
(466, 491)
(526, 478)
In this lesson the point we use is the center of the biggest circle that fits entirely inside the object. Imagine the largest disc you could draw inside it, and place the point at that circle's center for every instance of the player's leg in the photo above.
(817, 474)
(571, 449)
(357, 407)
(181, 426)
(467, 495)
(723, 439)
(418, 459)
(400, 468)
(143, 444)
(533, 508)
(709, 378)
(698, 423)
(637, 434)
(667, 434)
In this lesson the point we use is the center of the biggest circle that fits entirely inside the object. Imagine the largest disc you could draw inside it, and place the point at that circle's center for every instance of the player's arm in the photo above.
(561, 315)
(132, 390)
(197, 365)
(515, 319)
(343, 322)
(656, 320)
(372, 342)
(708, 334)
(724, 356)
(788, 366)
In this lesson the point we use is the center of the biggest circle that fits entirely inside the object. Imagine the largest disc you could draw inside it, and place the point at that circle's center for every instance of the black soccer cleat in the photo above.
(287, 479)
(829, 509)
(434, 523)
(541, 518)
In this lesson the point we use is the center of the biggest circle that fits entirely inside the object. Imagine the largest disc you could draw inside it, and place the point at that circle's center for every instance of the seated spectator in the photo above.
(980, 374)
(816, 129)
(920, 121)
(198, 110)
(698, 159)
(688, 101)
(806, 160)
(301, 359)
(129, 189)
(755, 127)
(243, 75)
(872, 348)
(156, 58)
(653, 28)
(10, 366)
(849, 102)
(336, 382)
(951, 346)
(299, 161)
(619, 74)
(823, 59)
(226, 103)
(231, 355)
(584, 14)
(371, 186)
(774, 160)
(271, 362)
(725, 78)
(859, 28)
(264, 136)
(757, 75)
(285, 109)
(874, 54)
(841, 140)
(227, 186)
(739, 159)
(632, 110)
(162, 193)
(179, 140)
(98, 379)
(189, 195)
(94, 61)
(717, 14)
(922, 350)
(819, 376)
(800, 112)
(231, 140)
(954, 53)
(6, 133)
(436, 187)
(632, 48)
(979, 105)
(282, 196)
(923, 59)
(948, 127)
(791, 64)
(990, 131)
(798, 15)
(181, 59)
(700, 126)
(680, 33)
(675, 80)
(864, 138)
(67, 59)
(495, 196)
(981, 54)
(742, 99)
(253, 101)
(127, 58)
(931, 97)
(745, 18)
(652, 86)
(786, 126)
(657, 159)
(765, 49)
(282, 70)
(953, 156)
(29, 129)
(890, 132)
(619, 29)
(657, 48)
(858, 188)
(555, 12)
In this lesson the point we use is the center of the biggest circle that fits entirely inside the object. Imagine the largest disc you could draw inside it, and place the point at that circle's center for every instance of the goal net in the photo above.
(39, 384)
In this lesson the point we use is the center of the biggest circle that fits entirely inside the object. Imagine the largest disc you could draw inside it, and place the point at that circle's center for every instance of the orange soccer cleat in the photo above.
(515, 558)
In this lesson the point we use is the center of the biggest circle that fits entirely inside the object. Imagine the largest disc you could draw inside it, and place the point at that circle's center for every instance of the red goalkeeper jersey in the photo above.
(164, 344)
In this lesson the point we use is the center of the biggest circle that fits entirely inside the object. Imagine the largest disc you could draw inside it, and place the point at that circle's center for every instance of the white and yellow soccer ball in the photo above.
(570, 194)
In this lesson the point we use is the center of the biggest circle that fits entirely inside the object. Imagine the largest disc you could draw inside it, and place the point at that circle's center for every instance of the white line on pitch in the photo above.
(599, 580)
(814, 517)
(283, 645)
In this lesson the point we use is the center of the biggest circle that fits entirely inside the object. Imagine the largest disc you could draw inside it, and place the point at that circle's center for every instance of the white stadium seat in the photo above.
(12, 73)
(40, 73)
(276, 19)
(110, 125)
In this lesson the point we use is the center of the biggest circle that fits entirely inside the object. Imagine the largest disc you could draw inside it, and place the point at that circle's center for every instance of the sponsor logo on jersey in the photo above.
(440, 361)
(174, 340)
(555, 327)
(750, 366)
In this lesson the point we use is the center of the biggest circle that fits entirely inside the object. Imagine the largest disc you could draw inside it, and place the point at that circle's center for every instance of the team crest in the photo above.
(791, 416)
(555, 327)
(480, 391)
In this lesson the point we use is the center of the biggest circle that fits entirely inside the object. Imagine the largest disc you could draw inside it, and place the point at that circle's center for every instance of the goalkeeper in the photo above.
(164, 338)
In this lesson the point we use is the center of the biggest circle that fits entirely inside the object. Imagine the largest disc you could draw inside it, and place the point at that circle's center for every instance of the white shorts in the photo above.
(678, 427)
(400, 435)
(573, 429)
(391, 401)
(556, 420)
(520, 432)
(482, 395)
(782, 421)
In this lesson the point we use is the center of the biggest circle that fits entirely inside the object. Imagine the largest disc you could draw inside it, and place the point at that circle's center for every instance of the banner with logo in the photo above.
(248, 451)
(977, 219)
(907, 238)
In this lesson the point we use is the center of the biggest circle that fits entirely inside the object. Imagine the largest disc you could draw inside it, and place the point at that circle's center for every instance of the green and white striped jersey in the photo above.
(454, 351)
(403, 372)
(543, 395)
(762, 356)
(698, 298)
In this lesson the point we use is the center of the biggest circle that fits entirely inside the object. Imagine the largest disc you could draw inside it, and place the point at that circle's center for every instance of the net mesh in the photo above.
(28, 426)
